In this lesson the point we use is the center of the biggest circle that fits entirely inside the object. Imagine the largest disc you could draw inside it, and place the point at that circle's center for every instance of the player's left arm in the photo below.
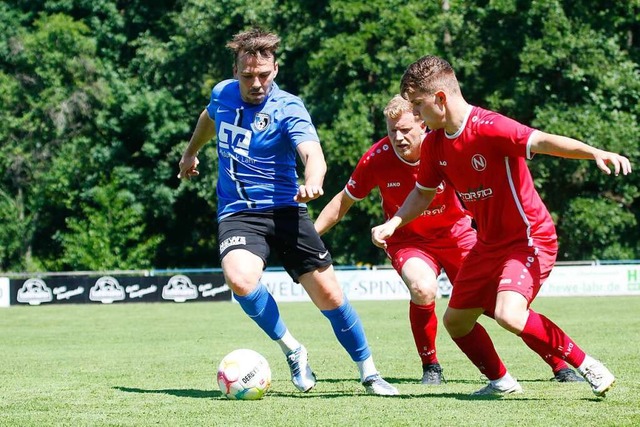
(333, 212)
(315, 168)
(562, 146)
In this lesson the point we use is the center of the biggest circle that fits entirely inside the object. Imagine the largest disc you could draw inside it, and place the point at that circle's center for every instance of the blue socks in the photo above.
(349, 331)
(262, 308)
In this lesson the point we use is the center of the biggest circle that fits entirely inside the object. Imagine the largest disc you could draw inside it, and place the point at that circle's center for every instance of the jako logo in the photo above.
(393, 184)
(478, 162)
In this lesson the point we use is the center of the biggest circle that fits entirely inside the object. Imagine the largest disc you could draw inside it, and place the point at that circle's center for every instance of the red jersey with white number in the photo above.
(485, 163)
(382, 167)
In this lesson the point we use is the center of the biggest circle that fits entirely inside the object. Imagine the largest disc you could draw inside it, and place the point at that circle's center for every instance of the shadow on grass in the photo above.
(214, 394)
(185, 392)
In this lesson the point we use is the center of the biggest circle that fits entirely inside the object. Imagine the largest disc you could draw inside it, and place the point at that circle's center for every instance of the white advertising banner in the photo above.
(4, 292)
(593, 280)
(356, 285)
(385, 284)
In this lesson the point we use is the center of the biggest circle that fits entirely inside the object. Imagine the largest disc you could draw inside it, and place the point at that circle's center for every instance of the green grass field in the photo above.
(155, 364)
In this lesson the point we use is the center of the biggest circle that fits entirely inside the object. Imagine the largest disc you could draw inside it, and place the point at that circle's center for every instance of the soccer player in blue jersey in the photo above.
(261, 205)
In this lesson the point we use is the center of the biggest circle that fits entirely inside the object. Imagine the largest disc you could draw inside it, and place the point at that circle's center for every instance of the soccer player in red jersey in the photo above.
(482, 154)
(439, 238)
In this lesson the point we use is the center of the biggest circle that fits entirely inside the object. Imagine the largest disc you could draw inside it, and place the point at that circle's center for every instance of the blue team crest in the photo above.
(261, 121)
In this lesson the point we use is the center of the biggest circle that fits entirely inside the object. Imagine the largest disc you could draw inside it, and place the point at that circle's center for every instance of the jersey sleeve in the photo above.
(362, 179)
(507, 135)
(214, 100)
(429, 177)
(297, 122)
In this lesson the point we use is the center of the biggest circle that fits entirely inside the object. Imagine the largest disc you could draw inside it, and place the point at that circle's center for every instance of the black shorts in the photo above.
(287, 231)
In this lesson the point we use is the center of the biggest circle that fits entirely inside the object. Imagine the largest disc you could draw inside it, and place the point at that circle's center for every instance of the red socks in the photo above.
(424, 325)
(480, 350)
(547, 339)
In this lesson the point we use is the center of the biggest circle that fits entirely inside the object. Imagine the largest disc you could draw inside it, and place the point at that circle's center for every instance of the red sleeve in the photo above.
(362, 180)
(428, 175)
(506, 135)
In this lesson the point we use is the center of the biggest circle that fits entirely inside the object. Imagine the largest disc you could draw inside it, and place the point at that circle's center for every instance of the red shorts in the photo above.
(447, 253)
(484, 273)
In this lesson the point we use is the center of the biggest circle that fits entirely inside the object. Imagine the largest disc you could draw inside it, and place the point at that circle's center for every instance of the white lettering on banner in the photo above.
(207, 290)
(134, 291)
(62, 292)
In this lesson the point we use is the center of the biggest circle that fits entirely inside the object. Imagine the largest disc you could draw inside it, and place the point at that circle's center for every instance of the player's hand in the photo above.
(380, 234)
(620, 163)
(188, 167)
(307, 193)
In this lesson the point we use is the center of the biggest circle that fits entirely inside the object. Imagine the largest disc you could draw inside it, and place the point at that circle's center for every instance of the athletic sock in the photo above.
(480, 350)
(366, 368)
(288, 343)
(348, 329)
(588, 361)
(546, 335)
(553, 361)
(424, 326)
(505, 382)
(262, 308)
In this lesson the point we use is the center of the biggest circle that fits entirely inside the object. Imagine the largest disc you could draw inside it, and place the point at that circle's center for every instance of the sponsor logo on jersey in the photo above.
(476, 195)
(393, 184)
(232, 241)
(106, 290)
(34, 292)
(440, 188)
(437, 210)
(232, 137)
(179, 289)
(478, 162)
(351, 183)
(261, 121)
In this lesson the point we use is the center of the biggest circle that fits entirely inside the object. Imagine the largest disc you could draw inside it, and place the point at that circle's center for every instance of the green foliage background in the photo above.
(98, 99)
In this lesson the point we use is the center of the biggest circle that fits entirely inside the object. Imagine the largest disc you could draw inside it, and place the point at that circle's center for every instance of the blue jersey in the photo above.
(257, 148)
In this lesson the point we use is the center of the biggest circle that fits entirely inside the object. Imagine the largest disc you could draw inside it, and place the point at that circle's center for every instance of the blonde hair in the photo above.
(429, 74)
(396, 107)
(255, 42)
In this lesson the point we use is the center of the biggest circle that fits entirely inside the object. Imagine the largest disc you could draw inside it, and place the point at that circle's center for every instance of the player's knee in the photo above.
(511, 321)
(454, 325)
(422, 293)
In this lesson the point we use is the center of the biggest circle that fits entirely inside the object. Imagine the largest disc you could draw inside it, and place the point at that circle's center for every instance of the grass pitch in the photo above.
(155, 364)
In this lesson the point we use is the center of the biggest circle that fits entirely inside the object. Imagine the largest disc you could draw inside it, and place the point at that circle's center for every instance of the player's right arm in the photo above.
(205, 130)
(416, 202)
(335, 210)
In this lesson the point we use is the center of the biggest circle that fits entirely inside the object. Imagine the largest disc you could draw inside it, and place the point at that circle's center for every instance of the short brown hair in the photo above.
(429, 74)
(255, 42)
(396, 107)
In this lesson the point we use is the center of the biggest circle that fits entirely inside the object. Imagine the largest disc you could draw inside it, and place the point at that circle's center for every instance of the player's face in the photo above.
(255, 74)
(429, 107)
(406, 133)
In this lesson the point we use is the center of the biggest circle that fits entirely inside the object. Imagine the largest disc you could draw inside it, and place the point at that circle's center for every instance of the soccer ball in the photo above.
(244, 375)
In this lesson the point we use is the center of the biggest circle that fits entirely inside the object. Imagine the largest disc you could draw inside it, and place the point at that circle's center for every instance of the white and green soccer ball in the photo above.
(244, 374)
